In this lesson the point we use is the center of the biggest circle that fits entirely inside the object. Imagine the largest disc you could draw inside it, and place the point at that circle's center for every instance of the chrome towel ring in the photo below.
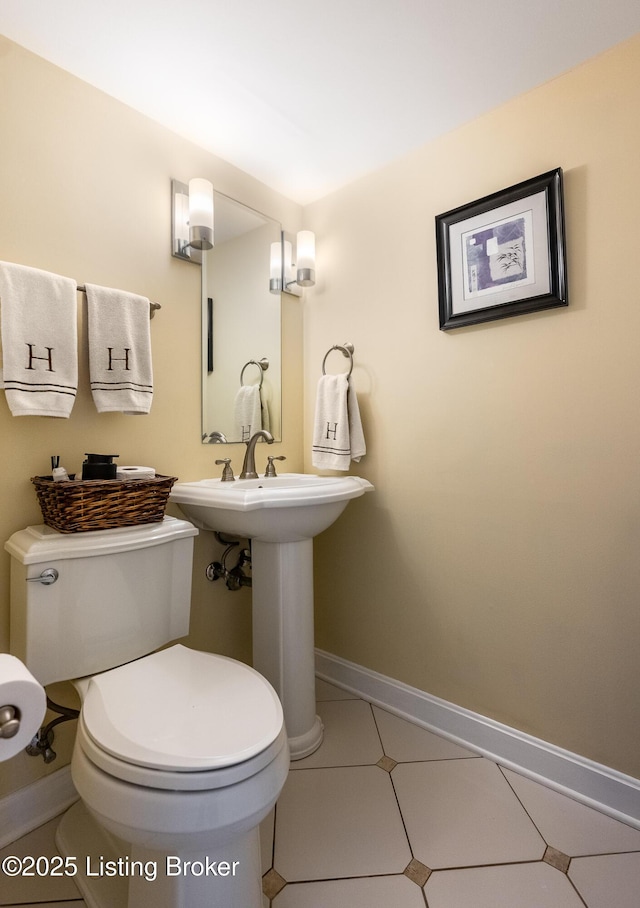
(262, 364)
(346, 349)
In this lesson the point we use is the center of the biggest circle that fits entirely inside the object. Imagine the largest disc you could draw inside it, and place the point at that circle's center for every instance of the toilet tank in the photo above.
(119, 595)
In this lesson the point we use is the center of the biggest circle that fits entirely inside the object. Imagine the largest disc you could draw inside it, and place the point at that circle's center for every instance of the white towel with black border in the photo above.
(38, 315)
(337, 431)
(120, 367)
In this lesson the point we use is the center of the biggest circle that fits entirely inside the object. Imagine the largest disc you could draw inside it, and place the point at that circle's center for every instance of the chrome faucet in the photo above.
(249, 465)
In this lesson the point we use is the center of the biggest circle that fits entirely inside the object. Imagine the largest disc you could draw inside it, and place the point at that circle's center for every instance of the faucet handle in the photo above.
(227, 473)
(271, 470)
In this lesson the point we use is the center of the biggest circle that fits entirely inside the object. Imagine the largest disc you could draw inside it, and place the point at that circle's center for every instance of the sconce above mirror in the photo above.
(241, 327)
(287, 275)
(192, 214)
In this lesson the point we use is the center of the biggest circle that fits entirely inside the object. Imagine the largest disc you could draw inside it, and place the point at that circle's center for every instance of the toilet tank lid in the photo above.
(41, 543)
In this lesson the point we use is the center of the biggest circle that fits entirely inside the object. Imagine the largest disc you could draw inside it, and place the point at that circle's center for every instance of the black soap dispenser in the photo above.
(99, 466)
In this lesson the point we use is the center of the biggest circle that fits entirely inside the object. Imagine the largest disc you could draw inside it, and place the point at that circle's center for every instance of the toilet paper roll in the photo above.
(23, 704)
(135, 473)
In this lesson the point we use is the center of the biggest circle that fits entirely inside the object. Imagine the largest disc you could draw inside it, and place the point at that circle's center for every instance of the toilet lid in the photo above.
(182, 710)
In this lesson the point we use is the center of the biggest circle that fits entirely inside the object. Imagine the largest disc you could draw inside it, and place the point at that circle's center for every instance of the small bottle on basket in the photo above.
(59, 474)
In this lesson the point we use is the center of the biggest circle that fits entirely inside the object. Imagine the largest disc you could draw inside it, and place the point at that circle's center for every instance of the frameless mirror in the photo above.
(241, 349)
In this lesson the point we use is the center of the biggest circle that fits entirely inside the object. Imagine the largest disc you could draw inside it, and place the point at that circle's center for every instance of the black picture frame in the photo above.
(504, 254)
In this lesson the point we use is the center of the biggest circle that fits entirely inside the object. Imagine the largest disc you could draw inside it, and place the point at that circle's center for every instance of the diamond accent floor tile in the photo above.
(339, 822)
(417, 872)
(509, 886)
(569, 826)
(368, 892)
(460, 813)
(386, 763)
(272, 884)
(556, 859)
(608, 880)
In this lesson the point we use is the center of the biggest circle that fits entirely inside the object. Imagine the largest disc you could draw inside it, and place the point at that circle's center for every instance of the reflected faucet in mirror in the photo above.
(214, 438)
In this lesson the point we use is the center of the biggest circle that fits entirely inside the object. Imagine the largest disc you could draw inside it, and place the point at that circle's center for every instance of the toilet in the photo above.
(179, 754)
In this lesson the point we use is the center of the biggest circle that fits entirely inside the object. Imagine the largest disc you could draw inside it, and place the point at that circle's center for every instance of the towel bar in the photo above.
(263, 364)
(153, 306)
(346, 349)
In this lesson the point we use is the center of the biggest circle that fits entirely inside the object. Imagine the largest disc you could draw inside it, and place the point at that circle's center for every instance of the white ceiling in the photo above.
(307, 95)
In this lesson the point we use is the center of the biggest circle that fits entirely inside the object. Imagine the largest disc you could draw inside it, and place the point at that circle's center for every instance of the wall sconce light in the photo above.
(286, 275)
(191, 219)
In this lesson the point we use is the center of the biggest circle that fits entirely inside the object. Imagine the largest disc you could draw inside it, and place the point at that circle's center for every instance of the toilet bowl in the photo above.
(170, 782)
(179, 754)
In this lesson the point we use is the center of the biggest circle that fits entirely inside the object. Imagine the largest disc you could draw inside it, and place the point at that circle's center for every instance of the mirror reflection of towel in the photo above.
(337, 432)
(266, 418)
(247, 411)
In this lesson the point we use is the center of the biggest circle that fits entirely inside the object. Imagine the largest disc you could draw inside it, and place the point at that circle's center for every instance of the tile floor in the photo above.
(388, 815)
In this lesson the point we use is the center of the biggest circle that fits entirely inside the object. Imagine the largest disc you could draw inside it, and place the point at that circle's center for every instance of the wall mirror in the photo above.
(241, 330)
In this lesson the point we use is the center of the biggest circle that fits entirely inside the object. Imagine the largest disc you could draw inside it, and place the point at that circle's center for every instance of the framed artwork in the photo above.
(503, 255)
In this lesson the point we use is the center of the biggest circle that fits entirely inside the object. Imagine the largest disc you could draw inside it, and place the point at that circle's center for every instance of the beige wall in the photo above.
(85, 192)
(497, 565)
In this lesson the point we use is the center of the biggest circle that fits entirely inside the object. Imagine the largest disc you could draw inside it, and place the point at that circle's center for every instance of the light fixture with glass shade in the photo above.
(290, 276)
(191, 219)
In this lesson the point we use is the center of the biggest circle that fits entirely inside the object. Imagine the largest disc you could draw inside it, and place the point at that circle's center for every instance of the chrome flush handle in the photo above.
(47, 577)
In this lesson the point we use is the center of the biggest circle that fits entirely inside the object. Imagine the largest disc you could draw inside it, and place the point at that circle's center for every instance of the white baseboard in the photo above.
(591, 783)
(24, 810)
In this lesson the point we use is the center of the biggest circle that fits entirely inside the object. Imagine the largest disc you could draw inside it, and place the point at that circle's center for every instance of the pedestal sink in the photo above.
(280, 515)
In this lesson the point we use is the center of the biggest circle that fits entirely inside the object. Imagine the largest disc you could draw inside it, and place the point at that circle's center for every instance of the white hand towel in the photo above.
(337, 433)
(120, 368)
(247, 411)
(39, 341)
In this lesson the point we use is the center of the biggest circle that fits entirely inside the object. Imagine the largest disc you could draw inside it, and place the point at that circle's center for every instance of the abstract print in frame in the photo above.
(503, 255)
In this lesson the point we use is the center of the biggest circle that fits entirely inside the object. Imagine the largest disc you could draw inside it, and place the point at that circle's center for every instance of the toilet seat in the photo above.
(180, 713)
(160, 779)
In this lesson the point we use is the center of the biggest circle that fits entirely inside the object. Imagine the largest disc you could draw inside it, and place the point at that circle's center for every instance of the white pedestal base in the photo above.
(283, 635)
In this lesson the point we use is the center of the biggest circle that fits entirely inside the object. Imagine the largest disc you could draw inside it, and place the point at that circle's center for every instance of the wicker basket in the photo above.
(101, 504)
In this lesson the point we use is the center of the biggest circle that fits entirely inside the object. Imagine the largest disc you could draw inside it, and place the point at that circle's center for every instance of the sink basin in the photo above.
(286, 508)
